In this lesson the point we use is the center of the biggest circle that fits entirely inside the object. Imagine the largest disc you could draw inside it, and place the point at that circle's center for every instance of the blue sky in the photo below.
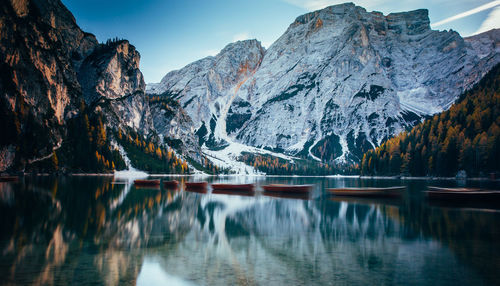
(172, 33)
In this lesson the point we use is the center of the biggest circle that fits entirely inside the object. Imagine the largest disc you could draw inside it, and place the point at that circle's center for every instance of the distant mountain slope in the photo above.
(338, 82)
(466, 137)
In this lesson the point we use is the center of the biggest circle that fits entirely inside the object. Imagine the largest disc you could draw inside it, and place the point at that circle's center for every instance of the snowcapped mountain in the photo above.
(338, 82)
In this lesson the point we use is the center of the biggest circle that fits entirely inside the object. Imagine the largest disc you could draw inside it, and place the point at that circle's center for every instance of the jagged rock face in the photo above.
(110, 77)
(206, 88)
(40, 44)
(338, 82)
(175, 128)
(48, 66)
(111, 72)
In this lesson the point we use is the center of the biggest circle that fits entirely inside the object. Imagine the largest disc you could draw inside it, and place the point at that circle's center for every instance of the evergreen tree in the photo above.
(466, 137)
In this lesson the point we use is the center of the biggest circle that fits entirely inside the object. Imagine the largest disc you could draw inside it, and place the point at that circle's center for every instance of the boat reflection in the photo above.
(195, 190)
(297, 196)
(483, 206)
(153, 188)
(234, 192)
(367, 201)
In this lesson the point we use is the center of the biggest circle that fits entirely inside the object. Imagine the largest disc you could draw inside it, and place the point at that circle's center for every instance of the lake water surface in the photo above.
(100, 230)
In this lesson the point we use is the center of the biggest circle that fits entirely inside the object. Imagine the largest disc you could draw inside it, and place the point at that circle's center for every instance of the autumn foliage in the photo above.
(147, 155)
(466, 137)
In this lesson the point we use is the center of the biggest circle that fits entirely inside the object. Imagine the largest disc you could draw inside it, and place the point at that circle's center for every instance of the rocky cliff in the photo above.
(338, 82)
(50, 68)
(112, 82)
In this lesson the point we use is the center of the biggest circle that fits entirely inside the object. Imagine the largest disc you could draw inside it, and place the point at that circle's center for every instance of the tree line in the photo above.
(465, 137)
(149, 155)
(88, 147)
(272, 165)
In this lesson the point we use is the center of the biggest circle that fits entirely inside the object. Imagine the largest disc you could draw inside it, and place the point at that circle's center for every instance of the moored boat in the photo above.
(196, 185)
(368, 192)
(287, 188)
(463, 194)
(453, 189)
(233, 187)
(171, 184)
(147, 183)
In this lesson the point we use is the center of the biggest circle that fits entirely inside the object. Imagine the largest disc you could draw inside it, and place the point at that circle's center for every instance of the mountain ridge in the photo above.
(339, 77)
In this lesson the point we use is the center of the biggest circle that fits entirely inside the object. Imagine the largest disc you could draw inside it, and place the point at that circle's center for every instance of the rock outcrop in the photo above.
(110, 79)
(49, 66)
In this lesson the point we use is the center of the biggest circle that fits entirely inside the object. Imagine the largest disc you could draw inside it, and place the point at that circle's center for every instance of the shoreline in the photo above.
(427, 178)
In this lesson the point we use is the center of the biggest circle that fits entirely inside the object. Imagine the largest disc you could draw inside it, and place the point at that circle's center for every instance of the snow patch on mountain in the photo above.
(415, 100)
(228, 157)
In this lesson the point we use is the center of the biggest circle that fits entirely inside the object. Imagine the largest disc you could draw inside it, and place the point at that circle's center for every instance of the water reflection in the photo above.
(106, 231)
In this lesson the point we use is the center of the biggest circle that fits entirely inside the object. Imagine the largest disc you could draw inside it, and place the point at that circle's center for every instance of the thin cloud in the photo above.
(241, 37)
(492, 22)
(468, 13)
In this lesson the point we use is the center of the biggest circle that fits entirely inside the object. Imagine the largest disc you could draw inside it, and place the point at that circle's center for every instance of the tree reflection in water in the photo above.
(96, 231)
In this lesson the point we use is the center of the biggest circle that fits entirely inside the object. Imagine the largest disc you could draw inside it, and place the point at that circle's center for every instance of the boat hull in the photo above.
(452, 189)
(233, 187)
(392, 192)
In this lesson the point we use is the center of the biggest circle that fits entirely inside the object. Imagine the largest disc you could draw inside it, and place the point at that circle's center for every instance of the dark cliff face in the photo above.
(48, 68)
(112, 82)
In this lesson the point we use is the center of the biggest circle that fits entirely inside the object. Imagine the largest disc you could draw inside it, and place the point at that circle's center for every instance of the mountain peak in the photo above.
(339, 9)
(238, 46)
(411, 22)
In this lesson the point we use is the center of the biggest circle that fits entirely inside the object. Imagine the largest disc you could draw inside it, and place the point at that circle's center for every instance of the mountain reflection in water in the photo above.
(93, 230)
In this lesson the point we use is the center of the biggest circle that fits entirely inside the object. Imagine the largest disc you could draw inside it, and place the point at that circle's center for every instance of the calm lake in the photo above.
(100, 230)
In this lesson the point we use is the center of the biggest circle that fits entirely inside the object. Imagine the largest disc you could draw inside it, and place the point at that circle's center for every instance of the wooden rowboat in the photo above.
(196, 185)
(147, 183)
(233, 187)
(287, 188)
(369, 192)
(9, 179)
(461, 194)
(453, 189)
(171, 184)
